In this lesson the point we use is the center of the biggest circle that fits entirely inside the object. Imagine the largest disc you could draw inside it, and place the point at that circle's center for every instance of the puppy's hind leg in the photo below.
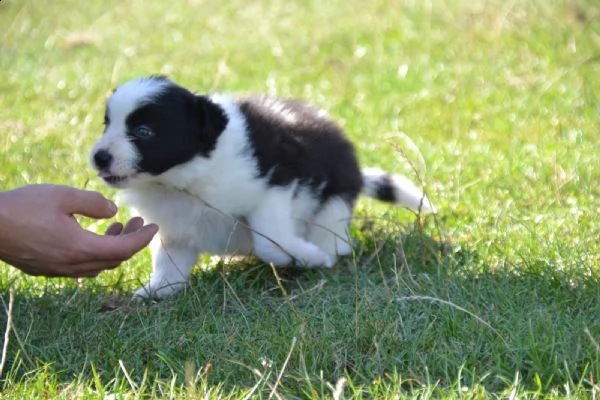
(330, 228)
(274, 234)
(172, 267)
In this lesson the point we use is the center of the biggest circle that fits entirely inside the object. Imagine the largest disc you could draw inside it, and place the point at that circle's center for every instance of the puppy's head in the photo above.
(151, 126)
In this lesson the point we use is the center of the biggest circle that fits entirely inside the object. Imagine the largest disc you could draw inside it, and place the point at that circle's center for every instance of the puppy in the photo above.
(258, 175)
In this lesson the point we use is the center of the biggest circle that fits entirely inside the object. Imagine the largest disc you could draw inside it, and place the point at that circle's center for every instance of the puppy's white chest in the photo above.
(233, 197)
(187, 221)
(227, 180)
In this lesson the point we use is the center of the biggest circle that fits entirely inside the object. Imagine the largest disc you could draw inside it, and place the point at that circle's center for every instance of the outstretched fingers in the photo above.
(122, 246)
(117, 228)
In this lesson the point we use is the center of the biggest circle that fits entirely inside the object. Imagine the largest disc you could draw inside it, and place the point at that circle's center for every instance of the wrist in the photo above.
(5, 222)
(5, 200)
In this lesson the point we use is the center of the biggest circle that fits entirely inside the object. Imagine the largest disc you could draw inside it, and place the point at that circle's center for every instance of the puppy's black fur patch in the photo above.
(184, 126)
(385, 190)
(309, 148)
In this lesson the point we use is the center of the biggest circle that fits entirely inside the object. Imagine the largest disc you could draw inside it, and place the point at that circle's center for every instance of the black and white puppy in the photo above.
(256, 175)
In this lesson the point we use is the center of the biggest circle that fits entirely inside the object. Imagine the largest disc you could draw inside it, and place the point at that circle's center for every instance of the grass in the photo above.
(493, 104)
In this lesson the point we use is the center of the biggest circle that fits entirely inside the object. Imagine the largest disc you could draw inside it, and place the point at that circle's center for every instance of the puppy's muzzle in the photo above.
(103, 159)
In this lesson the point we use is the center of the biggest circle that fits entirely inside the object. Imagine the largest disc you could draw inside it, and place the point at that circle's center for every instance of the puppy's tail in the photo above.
(395, 189)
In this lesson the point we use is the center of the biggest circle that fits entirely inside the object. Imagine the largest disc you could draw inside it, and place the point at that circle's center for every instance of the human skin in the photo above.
(40, 235)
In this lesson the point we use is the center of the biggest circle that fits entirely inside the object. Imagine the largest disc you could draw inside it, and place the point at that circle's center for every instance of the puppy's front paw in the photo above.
(311, 256)
(143, 293)
(270, 253)
(158, 292)
(342, 247)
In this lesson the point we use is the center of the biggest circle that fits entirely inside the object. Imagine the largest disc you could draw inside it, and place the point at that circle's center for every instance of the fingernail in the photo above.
(112, 206)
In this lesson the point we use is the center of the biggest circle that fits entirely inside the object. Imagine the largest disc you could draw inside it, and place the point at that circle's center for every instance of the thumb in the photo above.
(87, 203)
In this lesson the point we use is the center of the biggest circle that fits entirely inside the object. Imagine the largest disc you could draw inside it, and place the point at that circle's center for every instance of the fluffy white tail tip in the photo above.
(395, 189)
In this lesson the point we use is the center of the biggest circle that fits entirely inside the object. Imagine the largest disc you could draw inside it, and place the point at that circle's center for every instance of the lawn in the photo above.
(492, 105)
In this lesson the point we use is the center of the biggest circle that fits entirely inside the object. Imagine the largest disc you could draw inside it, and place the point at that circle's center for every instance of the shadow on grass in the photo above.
(406, 304)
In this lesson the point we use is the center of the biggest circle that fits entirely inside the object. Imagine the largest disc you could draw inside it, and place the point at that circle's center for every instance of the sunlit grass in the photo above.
(492, 105)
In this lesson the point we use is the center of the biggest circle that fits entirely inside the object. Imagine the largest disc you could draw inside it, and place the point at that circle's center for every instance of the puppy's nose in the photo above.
(103, 159)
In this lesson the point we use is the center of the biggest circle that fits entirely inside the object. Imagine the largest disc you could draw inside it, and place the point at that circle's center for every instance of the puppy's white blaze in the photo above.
(123, 151)
(126, 99)
(131, 95)
(125, 154)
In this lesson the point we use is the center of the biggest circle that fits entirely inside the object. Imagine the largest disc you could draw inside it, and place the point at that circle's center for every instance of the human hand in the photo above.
(40, 235)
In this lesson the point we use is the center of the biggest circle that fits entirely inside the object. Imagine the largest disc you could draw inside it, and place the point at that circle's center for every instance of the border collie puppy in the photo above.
(258, 175)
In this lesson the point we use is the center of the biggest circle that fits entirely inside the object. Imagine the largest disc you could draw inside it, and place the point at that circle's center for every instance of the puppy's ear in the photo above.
(212, 117)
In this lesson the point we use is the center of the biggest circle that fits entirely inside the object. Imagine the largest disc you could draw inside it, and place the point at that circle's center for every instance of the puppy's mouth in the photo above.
(112, 180)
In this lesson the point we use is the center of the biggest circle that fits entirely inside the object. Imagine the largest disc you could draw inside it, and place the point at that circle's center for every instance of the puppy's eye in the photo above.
(142, 132)
(106, 120)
